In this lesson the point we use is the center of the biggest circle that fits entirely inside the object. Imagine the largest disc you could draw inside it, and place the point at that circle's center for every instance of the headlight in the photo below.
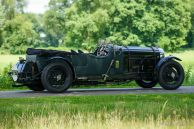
(14, 76)
(162, 55)
(14, 72)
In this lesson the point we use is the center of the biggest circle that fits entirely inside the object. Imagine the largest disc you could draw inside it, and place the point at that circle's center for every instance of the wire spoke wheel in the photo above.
(57, 77)
(171, 75)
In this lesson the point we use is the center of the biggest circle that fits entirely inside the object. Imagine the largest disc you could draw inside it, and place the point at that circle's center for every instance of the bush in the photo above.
(189, 76)
(5, 80)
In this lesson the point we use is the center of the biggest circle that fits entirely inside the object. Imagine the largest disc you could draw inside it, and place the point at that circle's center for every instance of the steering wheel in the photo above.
(103, 50)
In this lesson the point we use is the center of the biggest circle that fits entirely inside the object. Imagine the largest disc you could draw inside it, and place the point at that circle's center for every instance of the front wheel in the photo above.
(171, 75)
(146, 84)
(57, 77)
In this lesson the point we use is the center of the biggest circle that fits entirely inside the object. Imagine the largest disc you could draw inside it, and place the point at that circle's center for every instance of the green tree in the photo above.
(20, 5)
(54, 21)
(1, 24)
(9, 8)
(190, 37)
(19, 34)
(19, 30)
(163, 23)
(1, 16)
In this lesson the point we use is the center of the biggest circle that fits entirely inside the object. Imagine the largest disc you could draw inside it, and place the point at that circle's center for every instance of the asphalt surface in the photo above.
(96, 91)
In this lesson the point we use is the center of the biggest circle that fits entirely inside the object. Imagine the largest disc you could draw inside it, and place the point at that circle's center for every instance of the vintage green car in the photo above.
(56, 71)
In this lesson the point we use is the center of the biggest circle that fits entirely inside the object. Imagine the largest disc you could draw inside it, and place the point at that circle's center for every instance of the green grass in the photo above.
(187, 57)
(8, 59)
(126, 107)
(187, 62)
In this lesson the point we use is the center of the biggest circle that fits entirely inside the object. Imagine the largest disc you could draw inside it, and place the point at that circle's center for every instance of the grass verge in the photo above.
(119, 111)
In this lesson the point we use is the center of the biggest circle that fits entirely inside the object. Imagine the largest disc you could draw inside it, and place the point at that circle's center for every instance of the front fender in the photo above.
(165, 59)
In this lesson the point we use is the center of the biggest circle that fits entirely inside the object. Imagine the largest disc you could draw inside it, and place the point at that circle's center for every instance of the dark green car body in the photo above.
(119, 63)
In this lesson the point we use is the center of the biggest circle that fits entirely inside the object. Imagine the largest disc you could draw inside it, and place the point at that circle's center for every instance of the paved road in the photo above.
(96, 91)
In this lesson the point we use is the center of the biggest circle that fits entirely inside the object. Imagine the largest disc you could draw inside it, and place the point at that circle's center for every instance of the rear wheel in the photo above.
(57, 77)
(171, 75)
(146, 84)
(36, 86)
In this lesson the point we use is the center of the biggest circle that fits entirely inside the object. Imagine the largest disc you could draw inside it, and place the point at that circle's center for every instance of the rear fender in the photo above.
(165, 59)
(58, 58)
(54, 59)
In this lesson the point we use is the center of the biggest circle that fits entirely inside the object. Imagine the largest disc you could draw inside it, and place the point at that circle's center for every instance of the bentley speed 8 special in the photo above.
(56, 71)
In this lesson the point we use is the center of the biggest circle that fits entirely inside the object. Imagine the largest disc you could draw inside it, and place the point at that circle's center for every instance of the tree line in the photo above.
(83, 23)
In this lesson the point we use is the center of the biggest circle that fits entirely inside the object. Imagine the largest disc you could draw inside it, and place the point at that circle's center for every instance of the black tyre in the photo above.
(146, 84)
(171, 75)
(57, 77)
(36, 86)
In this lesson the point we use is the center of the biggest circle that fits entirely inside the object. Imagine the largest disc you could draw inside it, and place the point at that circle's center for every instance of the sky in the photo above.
(37, 6)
